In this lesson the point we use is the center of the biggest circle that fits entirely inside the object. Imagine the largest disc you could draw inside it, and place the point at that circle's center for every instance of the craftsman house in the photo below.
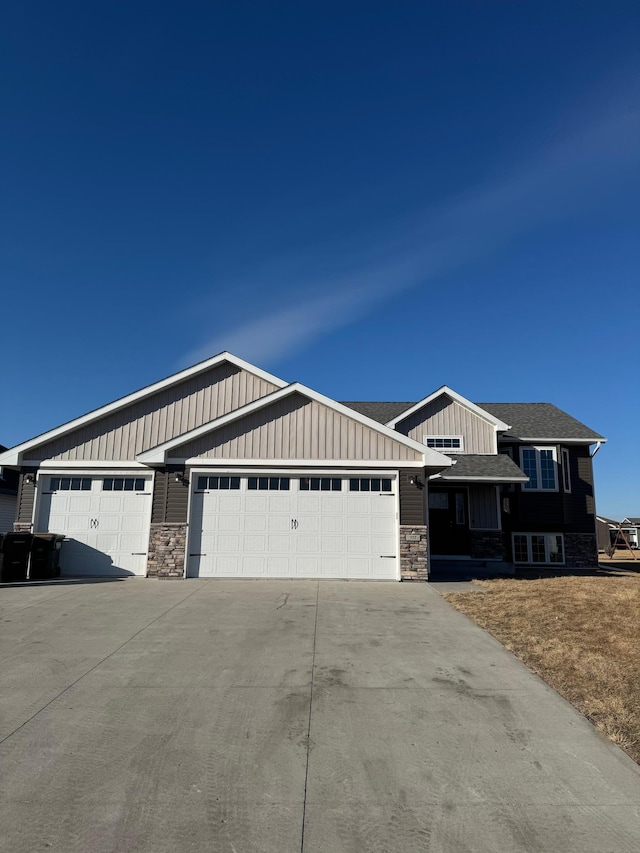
(223, 470)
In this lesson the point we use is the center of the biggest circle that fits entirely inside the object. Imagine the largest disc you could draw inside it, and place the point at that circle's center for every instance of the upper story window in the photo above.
(566, 470)
(445, 442)
(539, 464)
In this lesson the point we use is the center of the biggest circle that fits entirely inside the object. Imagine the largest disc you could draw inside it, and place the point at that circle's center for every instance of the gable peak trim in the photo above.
(499, 426)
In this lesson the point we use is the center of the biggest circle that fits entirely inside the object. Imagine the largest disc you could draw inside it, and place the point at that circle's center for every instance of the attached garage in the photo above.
(105, 521)
(285, 525)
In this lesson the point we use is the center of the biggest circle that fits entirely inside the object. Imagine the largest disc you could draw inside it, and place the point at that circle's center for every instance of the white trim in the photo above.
(448, 479)
(558, 440)
(529, 561)
(556, 472)
(447, 450)
(565, 470)
(444, 389)
(430, 457)
(298, 472)
(13, 456)
(86, 463)
(311, 464)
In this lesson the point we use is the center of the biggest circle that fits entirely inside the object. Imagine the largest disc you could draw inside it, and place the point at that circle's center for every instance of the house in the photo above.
(224, 470)
(606, 530)
(8, 497)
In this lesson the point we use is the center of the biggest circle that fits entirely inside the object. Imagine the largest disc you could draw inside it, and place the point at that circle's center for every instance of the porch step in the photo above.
(464, 570)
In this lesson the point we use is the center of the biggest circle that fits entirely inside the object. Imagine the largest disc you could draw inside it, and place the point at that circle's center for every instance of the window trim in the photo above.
(460, 438)
(529, 561)
(526, 487)
(566, 470)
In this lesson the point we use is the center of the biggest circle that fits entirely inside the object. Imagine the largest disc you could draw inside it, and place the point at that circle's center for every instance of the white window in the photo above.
(566, 470)
(452, 443)
(539, 464)
(538, 548)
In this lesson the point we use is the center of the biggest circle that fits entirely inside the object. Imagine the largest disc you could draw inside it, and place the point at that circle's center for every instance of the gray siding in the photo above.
(445, 416)
(154, 420)
(296, 428)
(412, 499)
(26, 498)
(483, 508)
(170, 498)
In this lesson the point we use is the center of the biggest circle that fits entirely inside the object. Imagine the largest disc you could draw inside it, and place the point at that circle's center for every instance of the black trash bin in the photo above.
(16, 548)
(45, 556)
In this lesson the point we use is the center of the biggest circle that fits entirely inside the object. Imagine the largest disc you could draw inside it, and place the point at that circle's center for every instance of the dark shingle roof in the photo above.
(527, 420)
(540, 420)
(633, 519)
(381, 412)
(471, 466)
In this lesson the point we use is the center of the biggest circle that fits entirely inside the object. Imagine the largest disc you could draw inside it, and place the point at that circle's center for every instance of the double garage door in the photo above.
(286, 526)
(105, 521)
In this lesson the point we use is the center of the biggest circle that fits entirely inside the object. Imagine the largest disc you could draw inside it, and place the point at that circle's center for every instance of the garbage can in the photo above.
(16, 548)
(45, 556)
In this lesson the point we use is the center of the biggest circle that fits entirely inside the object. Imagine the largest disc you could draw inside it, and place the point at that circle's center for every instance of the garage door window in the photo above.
(123, 484)
(269, 484)
(320, 484)
(369, 484)
(218, 483)
(70, 484)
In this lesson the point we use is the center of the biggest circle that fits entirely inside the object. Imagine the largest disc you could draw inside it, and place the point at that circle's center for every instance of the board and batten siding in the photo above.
(445, 416)
(483, 508)
(296, 428)
(146, 423)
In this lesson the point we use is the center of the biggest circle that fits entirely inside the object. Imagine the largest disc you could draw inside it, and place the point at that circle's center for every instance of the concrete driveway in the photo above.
(277, 717)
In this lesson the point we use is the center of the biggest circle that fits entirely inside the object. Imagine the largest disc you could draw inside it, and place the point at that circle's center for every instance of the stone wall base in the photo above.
(21, 527)
(486, 544)
(580, 550)
(413, 553)
(167, 544)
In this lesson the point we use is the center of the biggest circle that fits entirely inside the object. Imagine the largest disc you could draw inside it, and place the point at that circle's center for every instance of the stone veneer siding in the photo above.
(21, 527)
(487, 544)
(413, 553)
(580, 550)
(167, 543)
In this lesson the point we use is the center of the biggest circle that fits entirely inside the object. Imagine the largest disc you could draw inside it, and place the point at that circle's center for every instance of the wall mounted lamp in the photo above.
(416, 481)
(179, 477)
(29, 479)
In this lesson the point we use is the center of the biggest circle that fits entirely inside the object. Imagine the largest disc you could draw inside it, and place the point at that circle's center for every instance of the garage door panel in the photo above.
(77, 503)
(294, 532)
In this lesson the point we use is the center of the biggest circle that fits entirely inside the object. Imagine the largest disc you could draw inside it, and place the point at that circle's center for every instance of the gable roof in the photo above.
(14, 455)
(633, 520)
(159, 454)
(533, 421)
(444, 390)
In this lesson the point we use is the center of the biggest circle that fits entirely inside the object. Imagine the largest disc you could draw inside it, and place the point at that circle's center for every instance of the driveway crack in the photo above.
(313, 669)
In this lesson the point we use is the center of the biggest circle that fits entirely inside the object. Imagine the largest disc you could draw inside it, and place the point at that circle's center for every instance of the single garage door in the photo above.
(283, 526)
(105, 521)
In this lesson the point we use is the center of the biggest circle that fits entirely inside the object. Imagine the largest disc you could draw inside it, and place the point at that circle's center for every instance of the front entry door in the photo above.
(449, 521)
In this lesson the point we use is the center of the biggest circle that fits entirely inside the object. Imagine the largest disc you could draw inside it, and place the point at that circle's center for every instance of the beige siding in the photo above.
(154, 420)
(445, 416)
(296, 428)
(483, 508)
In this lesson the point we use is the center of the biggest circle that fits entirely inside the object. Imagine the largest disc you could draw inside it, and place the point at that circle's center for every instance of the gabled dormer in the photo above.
(448, 422)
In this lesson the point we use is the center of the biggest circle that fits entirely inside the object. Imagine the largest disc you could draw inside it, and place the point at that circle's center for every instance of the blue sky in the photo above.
(374, 199)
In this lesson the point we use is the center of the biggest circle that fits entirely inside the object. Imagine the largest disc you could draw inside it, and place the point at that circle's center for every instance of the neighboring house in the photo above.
(631, 529)
(223, 470)
(8, 497)
(606, 530)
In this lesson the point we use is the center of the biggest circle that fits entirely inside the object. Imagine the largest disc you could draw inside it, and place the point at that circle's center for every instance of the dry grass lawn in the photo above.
(581, 634)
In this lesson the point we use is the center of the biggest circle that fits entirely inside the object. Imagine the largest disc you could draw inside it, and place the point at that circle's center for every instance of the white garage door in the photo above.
(105, 521)
(283, 527)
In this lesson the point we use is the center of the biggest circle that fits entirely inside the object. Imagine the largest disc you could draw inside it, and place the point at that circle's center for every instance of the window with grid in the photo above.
(444, 442)
(213, 483)
(70, 484)
(539, 464)
(538, 548)
(268, 484)
(123, 484)
(369, 484)
(320, 484)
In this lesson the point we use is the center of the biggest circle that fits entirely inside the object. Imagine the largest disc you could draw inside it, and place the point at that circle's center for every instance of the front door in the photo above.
(449, 521)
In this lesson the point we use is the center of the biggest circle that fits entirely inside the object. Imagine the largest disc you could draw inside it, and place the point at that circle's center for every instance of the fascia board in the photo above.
(430, 457)
(13, 456)
(499, 425)
(557, 440)
(205, 463)
(448, 479)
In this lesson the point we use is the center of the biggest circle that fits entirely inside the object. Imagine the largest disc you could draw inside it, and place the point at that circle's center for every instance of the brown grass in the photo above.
(581, 634)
